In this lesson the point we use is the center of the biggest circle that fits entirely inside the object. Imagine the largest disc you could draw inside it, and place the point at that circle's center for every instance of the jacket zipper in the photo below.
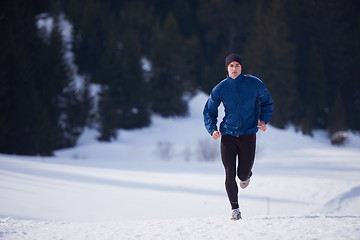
(237, 84)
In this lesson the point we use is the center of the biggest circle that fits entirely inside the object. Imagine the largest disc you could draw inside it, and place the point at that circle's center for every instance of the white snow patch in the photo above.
(146, 64)
(45, 24)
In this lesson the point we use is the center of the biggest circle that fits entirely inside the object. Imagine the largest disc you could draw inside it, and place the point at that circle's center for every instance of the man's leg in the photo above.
(247, 146)
(228, 156)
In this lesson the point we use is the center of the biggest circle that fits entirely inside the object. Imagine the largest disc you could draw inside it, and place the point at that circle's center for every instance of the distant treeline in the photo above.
(307, 52)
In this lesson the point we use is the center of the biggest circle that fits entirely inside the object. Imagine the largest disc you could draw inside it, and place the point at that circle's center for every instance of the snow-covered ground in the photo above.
(154, 183)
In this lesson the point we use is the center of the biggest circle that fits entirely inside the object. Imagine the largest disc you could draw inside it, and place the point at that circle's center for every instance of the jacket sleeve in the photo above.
(266, 104)
(210, 112)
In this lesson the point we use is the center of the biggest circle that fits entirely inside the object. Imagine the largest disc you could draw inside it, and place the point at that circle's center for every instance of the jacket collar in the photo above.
(236, 79)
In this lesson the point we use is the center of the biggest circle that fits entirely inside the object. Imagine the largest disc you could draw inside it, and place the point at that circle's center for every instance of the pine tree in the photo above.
(313, 89)
(35, 78)
(167, 84)
(90, 31)
(20, 102)
(337, 122)
(51, 78)
(110, 75)
(125, 89)
(108, 116)
(354, 114)
(135, 35)
(133, 104)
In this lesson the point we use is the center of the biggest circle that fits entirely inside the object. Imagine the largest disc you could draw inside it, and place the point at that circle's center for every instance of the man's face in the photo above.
(234, 69)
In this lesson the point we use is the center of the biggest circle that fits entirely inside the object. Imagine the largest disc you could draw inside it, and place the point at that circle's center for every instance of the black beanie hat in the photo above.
(233, 57)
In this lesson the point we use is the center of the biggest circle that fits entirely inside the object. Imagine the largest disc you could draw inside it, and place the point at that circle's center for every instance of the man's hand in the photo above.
(215, 135)
(262, 126)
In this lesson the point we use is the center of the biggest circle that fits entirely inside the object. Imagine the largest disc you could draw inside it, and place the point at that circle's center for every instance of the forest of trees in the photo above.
(307, 52)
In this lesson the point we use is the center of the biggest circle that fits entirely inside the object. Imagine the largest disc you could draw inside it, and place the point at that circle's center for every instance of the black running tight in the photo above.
(243, 149)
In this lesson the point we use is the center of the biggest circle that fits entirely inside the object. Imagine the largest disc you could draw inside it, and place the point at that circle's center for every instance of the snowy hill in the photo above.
(154, 183)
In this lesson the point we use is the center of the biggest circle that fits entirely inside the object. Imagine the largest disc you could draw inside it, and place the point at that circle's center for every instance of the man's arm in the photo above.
(210, 112)
(266, 105)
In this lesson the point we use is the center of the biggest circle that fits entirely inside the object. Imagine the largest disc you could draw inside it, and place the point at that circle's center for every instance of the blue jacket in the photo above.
(245, 99)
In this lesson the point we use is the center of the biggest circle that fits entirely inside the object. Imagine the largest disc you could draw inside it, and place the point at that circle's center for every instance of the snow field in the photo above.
(219, 227)
(151, 184)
